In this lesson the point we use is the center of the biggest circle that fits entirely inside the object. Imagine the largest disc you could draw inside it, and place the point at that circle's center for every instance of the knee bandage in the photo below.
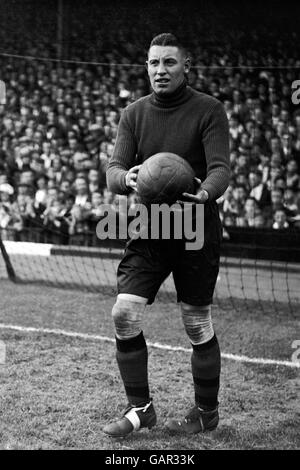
(127, 316)
(197, 323)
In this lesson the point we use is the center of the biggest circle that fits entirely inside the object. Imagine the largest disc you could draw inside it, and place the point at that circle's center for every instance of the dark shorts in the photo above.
(147, 263)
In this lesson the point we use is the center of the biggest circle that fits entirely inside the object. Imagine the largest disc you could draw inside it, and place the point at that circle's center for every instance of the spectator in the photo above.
(61, 120)
(292, 176)
(259, 221)
(258, 190)
(93, 179)
(251, 211)
(97, 209)
(290, 202)
(286, 143)
(42, 192)
(23, 215)
(6, 192)
(280, 183)
(235, 127)
(78, 227)
(280, 220)
(82, 194)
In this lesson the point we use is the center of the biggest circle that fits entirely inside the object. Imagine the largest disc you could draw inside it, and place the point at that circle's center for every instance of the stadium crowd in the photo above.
(59, 124)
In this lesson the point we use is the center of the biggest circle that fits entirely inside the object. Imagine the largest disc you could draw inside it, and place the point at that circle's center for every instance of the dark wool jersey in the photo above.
(189, 123)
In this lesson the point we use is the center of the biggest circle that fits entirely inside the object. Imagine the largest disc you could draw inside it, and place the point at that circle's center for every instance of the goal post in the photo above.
(9, 267)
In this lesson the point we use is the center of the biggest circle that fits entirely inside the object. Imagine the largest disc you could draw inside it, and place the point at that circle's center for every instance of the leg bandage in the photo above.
(127, 316)
(197, 322)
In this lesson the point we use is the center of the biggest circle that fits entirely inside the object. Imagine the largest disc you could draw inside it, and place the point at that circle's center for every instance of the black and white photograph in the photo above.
(149, 228)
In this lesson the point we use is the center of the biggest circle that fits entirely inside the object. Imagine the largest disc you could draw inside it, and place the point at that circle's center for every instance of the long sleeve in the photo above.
(123, 157)
(216, 147)
(194, 126)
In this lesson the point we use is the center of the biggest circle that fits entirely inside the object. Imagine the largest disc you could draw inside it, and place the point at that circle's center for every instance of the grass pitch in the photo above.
(57, 392)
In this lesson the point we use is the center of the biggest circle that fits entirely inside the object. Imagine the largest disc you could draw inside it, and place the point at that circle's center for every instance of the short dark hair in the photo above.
(70, 197)
(256, 172)
(251, 198)
(167, 39)
(239, 185)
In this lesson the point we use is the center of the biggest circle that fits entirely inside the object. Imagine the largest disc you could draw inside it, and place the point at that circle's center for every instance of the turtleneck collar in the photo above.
(179, 96)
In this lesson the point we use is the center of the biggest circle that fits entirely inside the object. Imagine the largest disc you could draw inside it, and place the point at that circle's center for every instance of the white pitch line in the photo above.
(166, 347)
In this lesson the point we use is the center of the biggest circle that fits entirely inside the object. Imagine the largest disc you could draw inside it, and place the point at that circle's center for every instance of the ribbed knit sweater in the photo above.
(189, 123)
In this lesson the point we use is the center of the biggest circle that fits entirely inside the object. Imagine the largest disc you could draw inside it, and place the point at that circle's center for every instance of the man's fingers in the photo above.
(131, 175)
(190, 197)
(135, 169)
(186, 197)
(133, 185)
(198, 198)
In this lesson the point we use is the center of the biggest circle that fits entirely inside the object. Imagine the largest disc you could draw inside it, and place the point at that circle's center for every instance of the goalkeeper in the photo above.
(173, 118)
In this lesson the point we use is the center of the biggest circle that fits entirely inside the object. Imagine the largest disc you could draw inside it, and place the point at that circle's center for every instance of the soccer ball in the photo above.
(163, 178)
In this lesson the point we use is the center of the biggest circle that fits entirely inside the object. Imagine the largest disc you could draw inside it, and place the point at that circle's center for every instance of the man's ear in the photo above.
(146, 64)
(187, 65)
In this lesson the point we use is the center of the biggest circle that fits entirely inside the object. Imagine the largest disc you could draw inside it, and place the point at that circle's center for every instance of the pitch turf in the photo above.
(57, 392)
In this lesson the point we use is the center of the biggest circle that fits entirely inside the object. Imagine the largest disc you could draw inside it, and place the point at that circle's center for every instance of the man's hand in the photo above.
(131, 177)
(200, 197)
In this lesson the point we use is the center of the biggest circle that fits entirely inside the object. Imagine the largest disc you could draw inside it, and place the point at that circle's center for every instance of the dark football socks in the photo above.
(132, 359)
(206, 367)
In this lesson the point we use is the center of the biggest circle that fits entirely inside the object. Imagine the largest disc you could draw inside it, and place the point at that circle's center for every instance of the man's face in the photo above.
(280, 183)
(242, 161)
(96, 199)
(275, 144)
(275, 110)
(250, 206)
(242, 179)
(166, 68)
(3, 179)
(288, 196)
(22, 190)
(27, 177)
(81, 186)
(280, 217)
(52, 194)
(93, 176)
(21, 199)
(259, 221)
(4, 197)
(72, 143)
(276, 197)
(65, 186)
(46, 147)
(292, 166)
(41, 183)
(69, 203)
(239, 193)
(253, 180)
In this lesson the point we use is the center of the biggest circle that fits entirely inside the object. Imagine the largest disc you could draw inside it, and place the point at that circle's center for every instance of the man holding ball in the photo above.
(177, 119)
